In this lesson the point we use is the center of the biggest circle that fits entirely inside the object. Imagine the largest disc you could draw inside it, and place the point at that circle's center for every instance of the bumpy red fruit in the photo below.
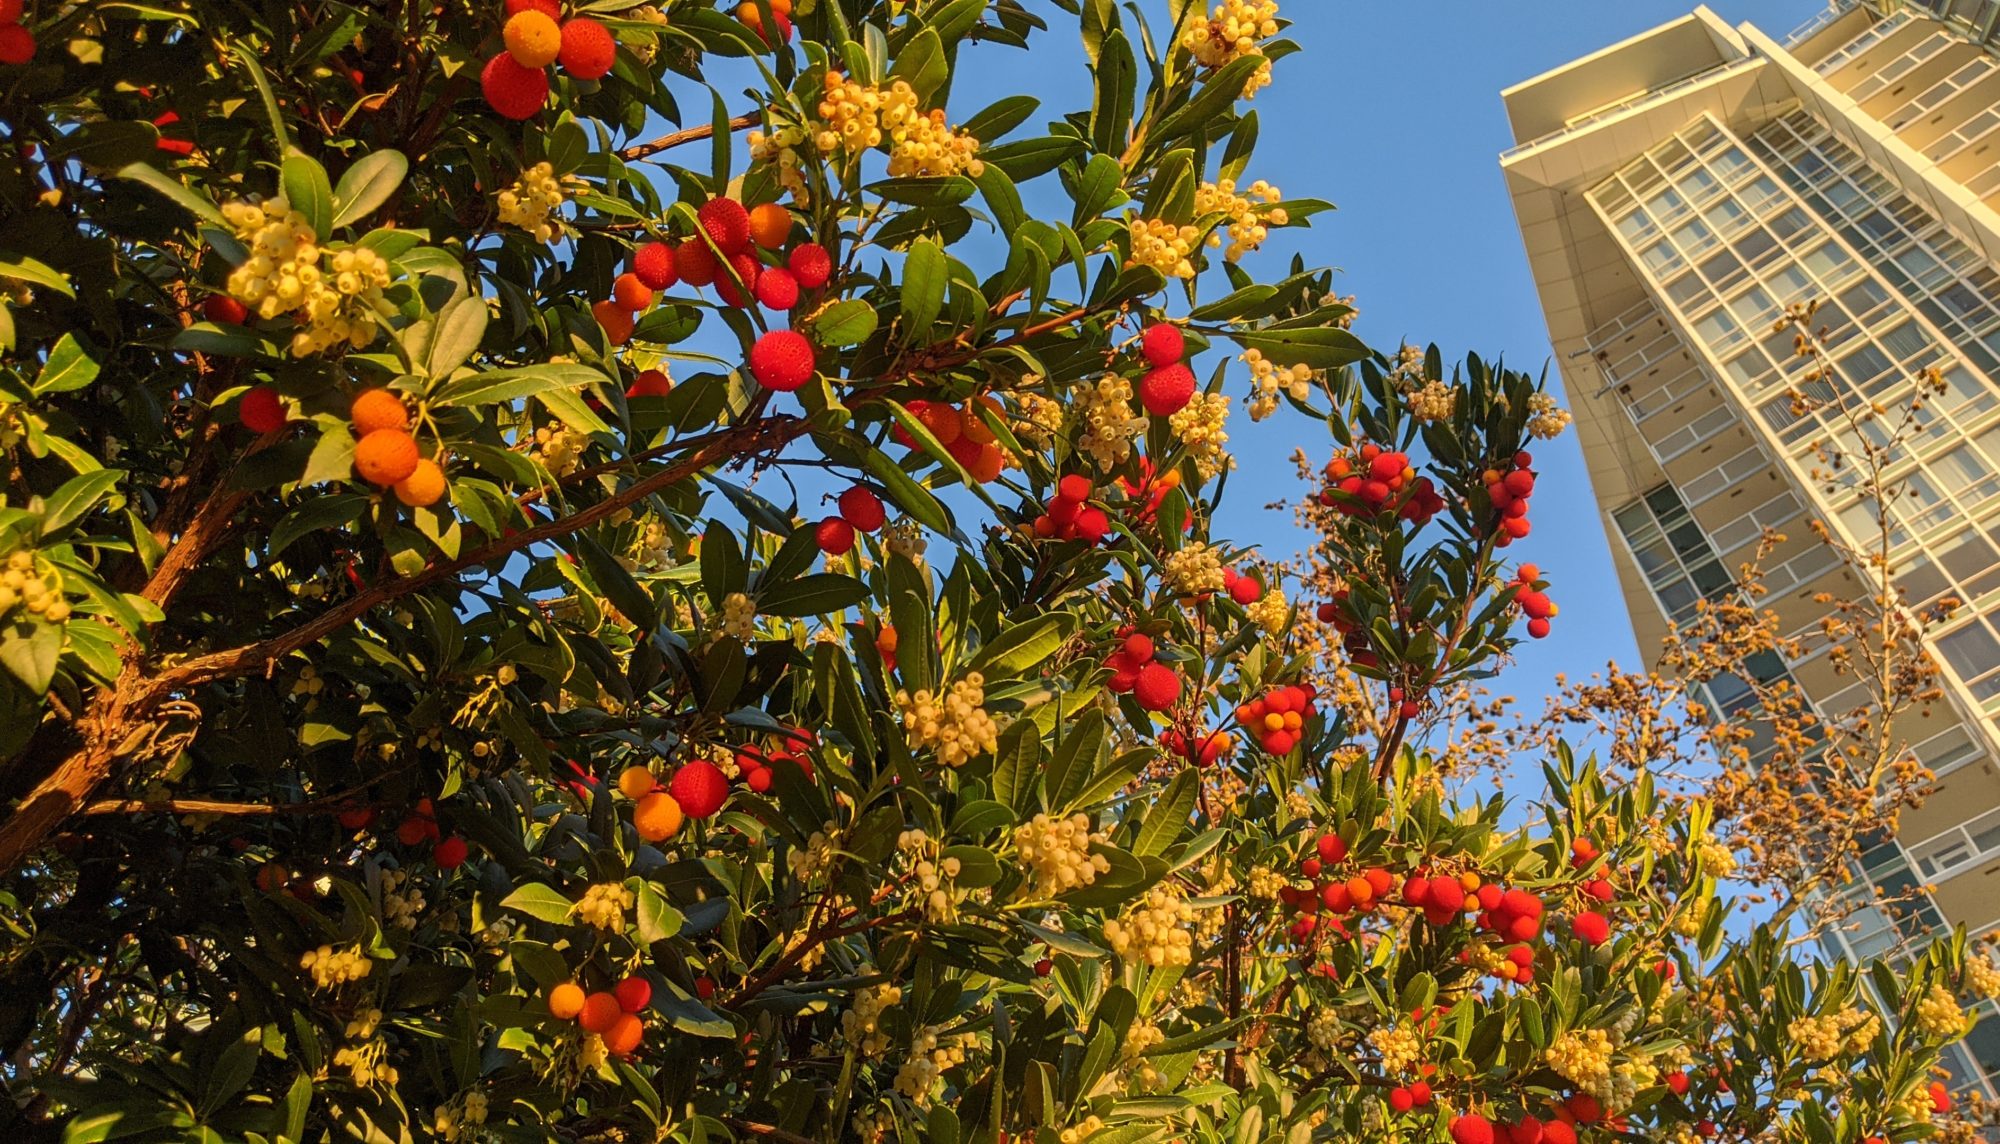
(695, 262)
(654, 264)
(1166, 390)
(512, 90)
(782, 360)
(700, 788)
(1472, 1128)
(650, 383)
(861, 508)
(633, 993)
(1163, 344)
(810, 264)
(1157, 688)
(588, 49)
(834, 536)
(726, 222)
(777, 289)
(17, 45)
(449, 854)
(1591, 928)
(547, 8)
(223, 308)
(262, 410)
(746, 270)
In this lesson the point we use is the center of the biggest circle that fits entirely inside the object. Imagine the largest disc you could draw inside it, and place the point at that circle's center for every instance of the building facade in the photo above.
(1676, 193)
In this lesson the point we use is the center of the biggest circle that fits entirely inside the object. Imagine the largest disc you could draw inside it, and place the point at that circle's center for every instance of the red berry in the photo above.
(861, 508)
(1157, 688)
(512, 90)
(1472, 1128)
(727, 224)
(1416, 889)
(1163, 344)
(449, 854)
(1245, 590)
(1516, 527)
(1526, 1130)
(777, 289)
(1520, 482)
(17, 44)
(654, 264)
(743, 268)
(1538, 628)
(782, 360)
(1400, 1099)
(1310, 867)
(834, 536)
(1591, 927)
(1421, 1093)
(1092, 526)
(650, 383)
(588, 49)
(810, 264)
(1524, 459)
(1043, 967)
(1074, 488)
(1556, 1132)
(633, 993)
(1584, 1107)
(547, 8)
(757, 779)
(262, 410)
(695, 262)
(1678, 1082)
(1164, 391)
(224, 309)
(1138, 647)
(704, 987)
(700, 788)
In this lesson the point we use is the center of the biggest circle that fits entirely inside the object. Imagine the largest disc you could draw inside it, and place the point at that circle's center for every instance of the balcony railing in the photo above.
(1623, 105)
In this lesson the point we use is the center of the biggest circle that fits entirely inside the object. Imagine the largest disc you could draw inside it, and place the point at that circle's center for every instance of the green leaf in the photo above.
(538, 901)
(922, 62)
(618, 585)
(924, 275)
(1061, 941)
(247, 56)
(68, 367)
(314, 514)
(456, 335)
(537, 381)
(1000, 117)
(1318, 347)
(818, 594)
(1075, 760)
(913, 498)
(148, 175)
(367, 184)
(29, 650)
(40, 273)
(309, 192)
(1020, 646)
(845, 323)
(656, 919)
(75, 498)
(1167, 818)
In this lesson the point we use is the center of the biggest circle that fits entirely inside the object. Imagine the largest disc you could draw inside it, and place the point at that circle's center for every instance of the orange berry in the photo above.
(770, 224)
(600, 1012)
(885, 641)
(658, 816)
(423, 487)
(625, 1035)
(630, 293)
(386, 457)
(973, 426)
(636, 782)
(532, 39)
(616, 322)
(377, 409)
(566, 1001)
(1468, 881)
(985, 468)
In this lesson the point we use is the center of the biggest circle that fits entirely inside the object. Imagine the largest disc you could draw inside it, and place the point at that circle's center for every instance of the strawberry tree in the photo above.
(606, 572)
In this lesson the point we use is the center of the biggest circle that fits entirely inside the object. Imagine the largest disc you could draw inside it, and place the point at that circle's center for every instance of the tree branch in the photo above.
(674, 139)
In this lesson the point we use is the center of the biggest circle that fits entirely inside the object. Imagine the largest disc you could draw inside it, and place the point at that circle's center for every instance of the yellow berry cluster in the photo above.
(1142, 1036)
(815, 858)
(1247, 223)
(954, 724)
(1109, 424)
(1434, 400)
(1268, 377)
(920, 1073)
(780, 149)
(1982, 979)
(1056, 853)
(1194, 570)
(1583, 1057)
(1233, 31)
(559, 448)
(532, 201)
(1082, 1130)
(1266, 883)
(862, 1023)
(335, 294)
(1399, 1046)
(459, 1122)
(855, 116)
(1713, 856)
(401, 905)
(1154, 929)
(739, 617)
(364, 1064)
(40, 593)
(1199, 426)
(1270, 611)
(1323, 1030)
(603, 906)
(331, 968)
(1939, 1015)
(1546, 420)
(1163, 246)
(1039, 420)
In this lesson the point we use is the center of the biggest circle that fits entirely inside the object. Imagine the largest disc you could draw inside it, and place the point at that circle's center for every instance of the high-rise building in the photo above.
(1676, 193)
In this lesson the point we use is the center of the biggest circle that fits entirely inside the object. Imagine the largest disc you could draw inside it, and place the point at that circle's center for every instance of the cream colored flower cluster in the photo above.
(1270, 611)
(1056, 853)
(1268, 377)
(954, 724)
(1266, 883)
(862, 1023)
(364, 1064)
(1247, 225)
(1142, 1036)
(1939, 1015)
(921, 1073)
(1193, 570)
(402, 905)
(362, 1025)
(603, 906)
(1848, 1032)
(1409, 368)
(1039, 420)
(532, 201)
(815, 858)
(1714, 856)
(1082, 1130)
(459, 1122)
(905, 537)
(1199, 426)
(1323, 1030)
(335, 294)
(332, 968)
(780, 149)
(559, 448)
(1399, 1046)
(1154, 930)
(1982, 978)
(1109, 424)
(1546, 420)
(855, 116)
(1233, 31)
(1434, 400)
(1163, 246)
(1583, 1057)
(739, 617)
(41, 594)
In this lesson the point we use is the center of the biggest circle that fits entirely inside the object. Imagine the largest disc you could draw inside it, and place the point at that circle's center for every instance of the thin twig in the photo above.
(686, 135)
